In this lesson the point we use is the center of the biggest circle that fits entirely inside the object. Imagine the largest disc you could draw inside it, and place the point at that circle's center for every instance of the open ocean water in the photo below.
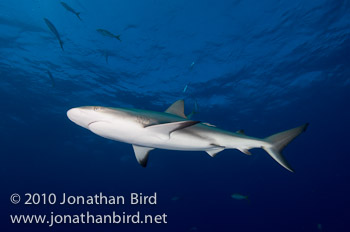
(262, 66)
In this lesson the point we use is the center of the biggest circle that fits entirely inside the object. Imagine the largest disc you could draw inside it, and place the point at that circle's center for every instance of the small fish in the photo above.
(194, 111)
(108, 34)
(208, 124)
(175, 198)
(54, 31)
(51, 78)
(106, 54)
(192, 64)
(130, 26)
(238, 196)
(70, 9)
(185, 88)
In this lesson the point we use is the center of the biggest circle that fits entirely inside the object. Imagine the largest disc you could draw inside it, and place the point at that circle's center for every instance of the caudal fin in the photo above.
(279, 141)
(118, 37)
(61, 44)
(78, 15)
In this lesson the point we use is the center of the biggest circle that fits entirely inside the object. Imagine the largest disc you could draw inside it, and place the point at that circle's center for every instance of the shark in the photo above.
(147, 130)
(108, 34)
(54, 31)
(70, 9)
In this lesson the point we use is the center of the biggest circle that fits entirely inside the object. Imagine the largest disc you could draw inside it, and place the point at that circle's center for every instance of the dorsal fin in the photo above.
(240, 132)
(141, 154)
(177, 108)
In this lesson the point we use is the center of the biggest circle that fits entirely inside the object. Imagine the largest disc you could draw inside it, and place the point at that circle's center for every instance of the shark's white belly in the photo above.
(134, 133)
(177, 141)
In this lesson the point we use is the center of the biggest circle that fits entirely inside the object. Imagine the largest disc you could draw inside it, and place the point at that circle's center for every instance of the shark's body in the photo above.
(171, 130)
(54, 31)
(108, 34)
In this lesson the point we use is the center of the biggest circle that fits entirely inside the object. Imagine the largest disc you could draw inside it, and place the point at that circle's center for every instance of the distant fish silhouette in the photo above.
(185, 88)
(192, 65)
(194, 111)
(175, 198)
(106, 54)
(54, 31)
(130, 26)
(238, 196)
(70, 9)
(51, 78)
(108, 34)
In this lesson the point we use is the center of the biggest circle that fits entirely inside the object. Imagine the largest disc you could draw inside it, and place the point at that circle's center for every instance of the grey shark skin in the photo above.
(171, 130)
(54, 31)
(70, 9)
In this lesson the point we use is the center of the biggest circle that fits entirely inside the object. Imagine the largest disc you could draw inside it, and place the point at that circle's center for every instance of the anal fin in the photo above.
(245, 151)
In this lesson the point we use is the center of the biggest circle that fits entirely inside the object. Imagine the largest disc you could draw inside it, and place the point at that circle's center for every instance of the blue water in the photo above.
(262, 66)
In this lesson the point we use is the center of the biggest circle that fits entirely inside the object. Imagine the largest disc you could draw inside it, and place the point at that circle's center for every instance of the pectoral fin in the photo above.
(141, 154)
(164, 130)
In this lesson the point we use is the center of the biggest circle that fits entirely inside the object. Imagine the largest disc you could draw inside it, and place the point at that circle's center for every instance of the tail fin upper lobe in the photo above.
(279, 141)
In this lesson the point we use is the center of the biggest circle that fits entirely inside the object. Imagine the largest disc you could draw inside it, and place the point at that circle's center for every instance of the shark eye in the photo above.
(96, 108)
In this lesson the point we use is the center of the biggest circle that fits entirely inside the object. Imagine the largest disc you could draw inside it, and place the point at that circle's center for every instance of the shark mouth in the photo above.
(92, 123)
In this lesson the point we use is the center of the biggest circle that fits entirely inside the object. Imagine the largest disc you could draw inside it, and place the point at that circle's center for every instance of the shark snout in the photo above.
(73, 113)
(80, 116)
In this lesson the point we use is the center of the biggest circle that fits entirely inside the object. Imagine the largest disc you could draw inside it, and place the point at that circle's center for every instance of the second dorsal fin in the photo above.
(177, 108)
